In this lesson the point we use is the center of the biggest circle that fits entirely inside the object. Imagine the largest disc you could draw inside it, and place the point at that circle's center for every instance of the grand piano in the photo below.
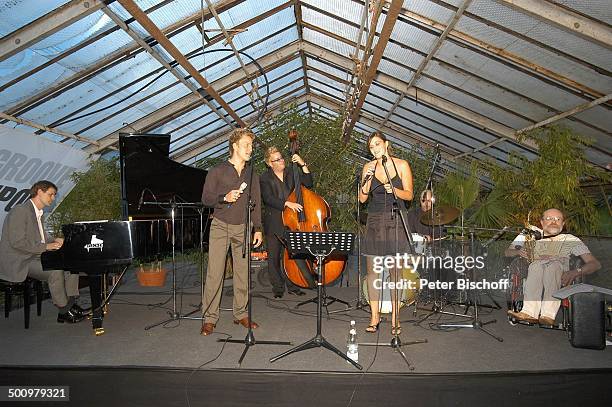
(152, 186)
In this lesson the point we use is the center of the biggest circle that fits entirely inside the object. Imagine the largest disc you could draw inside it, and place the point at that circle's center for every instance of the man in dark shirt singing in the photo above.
(226, 189)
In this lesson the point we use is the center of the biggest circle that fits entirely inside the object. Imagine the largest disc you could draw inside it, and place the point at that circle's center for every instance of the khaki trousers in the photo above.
(546, 276)
(62, 284)
(223, 236)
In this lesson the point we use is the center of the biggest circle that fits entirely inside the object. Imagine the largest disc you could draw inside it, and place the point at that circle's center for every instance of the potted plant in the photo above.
(151, 274)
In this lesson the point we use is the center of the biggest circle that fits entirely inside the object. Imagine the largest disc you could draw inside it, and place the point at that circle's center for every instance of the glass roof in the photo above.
(499, 70)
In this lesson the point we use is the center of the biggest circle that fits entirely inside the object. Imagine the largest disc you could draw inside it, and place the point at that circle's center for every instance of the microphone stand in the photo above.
(175, 315)
(249, 339)
(396, 343)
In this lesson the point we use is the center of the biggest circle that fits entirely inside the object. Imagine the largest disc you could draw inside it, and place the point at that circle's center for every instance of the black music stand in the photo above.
(320, 245)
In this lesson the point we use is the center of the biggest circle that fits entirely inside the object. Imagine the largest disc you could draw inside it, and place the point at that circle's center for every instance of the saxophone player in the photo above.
(549, 268)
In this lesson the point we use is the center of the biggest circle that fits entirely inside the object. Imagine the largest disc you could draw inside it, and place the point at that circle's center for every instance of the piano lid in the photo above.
(148, 172)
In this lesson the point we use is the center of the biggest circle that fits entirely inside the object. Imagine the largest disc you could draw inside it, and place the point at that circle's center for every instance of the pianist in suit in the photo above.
(225, 189)
(22, 243)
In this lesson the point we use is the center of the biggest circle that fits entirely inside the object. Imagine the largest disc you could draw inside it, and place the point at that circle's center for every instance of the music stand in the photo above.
(320, 245)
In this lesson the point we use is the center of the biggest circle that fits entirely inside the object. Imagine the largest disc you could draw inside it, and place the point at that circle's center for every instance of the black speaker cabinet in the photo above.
(588, 320)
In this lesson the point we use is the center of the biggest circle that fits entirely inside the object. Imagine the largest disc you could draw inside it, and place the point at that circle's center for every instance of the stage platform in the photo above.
(172, 365)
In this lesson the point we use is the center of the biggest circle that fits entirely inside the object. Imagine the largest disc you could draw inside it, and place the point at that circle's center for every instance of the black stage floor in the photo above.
(173, 365)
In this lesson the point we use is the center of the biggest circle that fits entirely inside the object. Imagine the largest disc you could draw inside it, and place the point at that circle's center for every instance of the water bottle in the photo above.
(351, 343)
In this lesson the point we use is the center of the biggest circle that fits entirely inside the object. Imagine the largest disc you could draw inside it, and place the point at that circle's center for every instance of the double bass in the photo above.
(313, 218)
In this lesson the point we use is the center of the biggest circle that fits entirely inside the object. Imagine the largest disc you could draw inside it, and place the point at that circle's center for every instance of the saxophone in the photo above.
(530, 240)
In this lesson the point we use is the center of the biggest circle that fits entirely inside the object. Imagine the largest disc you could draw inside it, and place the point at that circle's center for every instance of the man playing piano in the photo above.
(22, 243)
(225, 189)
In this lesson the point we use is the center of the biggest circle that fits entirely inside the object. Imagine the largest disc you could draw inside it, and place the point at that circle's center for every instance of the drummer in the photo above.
(415, 215)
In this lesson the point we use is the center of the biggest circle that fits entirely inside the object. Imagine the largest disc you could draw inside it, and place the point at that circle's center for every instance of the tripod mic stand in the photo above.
(476, 322)
(249, 339)
(396, 343)
(174, 314)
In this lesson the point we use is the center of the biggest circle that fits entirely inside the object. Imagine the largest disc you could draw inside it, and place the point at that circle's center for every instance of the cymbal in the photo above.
(442, 215)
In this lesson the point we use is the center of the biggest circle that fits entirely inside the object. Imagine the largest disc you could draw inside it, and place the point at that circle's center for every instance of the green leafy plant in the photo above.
(490, 210)
(552, 180)
(96, 196)
(460, 189)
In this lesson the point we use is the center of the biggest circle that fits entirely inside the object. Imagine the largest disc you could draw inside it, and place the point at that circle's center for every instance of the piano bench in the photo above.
(25, 288)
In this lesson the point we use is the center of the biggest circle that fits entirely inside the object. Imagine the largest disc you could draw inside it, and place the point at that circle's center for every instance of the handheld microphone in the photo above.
(496, 236)
(384, 159)
(141, 200)
(241, 189)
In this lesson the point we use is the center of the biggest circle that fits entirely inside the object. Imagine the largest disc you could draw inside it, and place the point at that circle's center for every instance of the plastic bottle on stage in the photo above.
(351, 343)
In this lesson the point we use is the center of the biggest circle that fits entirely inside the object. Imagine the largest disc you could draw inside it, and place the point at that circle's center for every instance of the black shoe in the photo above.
(77, 310)
(69, 317)
(297, 292)
(278, 295)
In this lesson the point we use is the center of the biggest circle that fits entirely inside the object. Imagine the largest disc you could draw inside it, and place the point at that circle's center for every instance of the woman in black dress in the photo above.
(385, 235)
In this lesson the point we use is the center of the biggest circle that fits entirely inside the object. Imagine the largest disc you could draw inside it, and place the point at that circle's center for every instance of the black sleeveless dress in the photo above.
(384, 232)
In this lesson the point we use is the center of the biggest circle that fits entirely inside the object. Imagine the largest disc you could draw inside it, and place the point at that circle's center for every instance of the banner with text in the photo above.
(26, 158)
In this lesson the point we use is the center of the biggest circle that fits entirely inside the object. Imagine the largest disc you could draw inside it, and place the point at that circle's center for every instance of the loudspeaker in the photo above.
(587, 320)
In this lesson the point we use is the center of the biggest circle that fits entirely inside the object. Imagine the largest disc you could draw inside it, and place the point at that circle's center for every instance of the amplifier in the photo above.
(588, 315)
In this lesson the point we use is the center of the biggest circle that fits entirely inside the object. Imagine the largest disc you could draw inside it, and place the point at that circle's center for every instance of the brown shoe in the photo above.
(546, 321)
(245, 322)
(521, 316)
(207, 329)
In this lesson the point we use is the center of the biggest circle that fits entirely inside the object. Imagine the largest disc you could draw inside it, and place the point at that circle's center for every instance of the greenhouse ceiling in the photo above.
(468, 76)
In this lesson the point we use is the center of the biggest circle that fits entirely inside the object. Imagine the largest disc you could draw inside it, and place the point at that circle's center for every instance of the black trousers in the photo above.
(277, 276)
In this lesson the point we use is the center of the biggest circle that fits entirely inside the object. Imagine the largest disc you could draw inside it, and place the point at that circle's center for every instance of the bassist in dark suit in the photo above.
(276, 185)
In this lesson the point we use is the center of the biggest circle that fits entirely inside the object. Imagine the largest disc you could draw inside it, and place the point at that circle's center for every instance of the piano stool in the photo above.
(25, 288)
